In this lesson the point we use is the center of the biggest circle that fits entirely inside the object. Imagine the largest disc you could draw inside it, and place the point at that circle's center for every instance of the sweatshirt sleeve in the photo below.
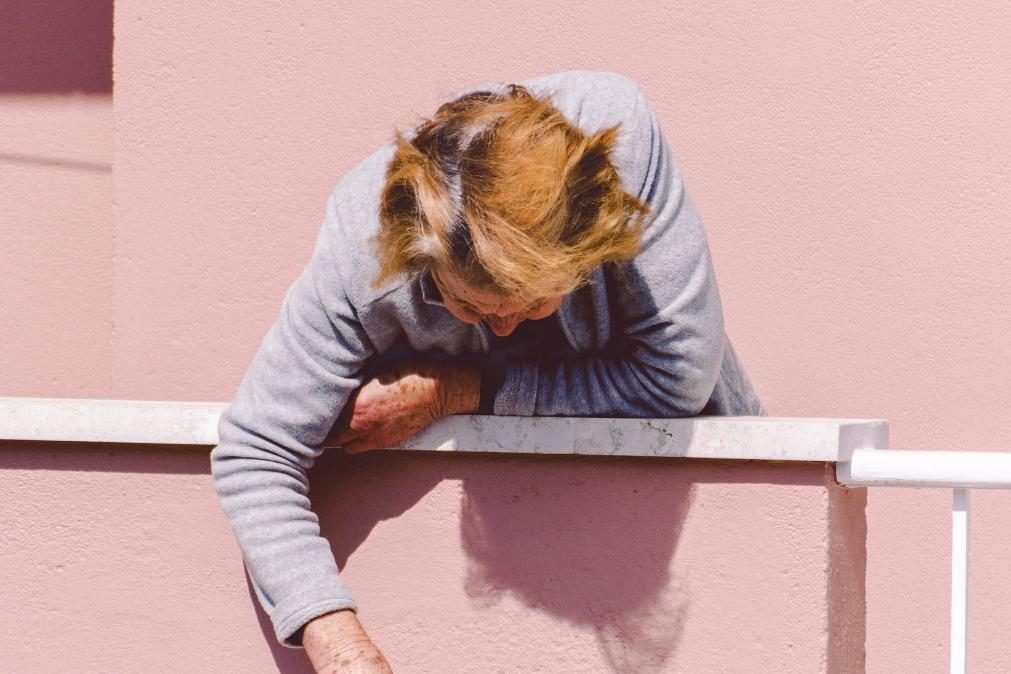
(667, 357)
(291, 394)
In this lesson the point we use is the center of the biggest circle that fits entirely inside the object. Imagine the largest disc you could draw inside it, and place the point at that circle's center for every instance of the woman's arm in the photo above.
(337, 644)
(305, 369)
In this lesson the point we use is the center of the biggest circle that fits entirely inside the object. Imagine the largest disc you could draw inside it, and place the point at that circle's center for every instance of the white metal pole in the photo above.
(959, 580)
(921, 468)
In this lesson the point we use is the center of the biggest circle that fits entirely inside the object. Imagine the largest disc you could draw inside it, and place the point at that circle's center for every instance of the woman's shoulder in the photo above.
(599, 88)
(352, 220)
(602, 86)
(597, 99)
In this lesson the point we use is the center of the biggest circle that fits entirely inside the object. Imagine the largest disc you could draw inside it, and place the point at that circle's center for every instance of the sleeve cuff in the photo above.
(290, 615)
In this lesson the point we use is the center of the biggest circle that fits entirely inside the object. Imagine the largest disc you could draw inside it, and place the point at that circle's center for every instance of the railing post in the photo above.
(959, 580)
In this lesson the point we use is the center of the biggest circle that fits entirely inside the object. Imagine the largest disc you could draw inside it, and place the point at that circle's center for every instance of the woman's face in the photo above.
(502, 313)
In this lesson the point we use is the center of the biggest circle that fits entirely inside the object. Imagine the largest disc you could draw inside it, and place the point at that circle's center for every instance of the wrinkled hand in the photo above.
(400, 400)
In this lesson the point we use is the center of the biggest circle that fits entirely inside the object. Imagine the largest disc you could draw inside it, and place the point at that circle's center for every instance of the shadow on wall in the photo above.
(587, 540)
(56, 47)
(590, 541)
(287, 660)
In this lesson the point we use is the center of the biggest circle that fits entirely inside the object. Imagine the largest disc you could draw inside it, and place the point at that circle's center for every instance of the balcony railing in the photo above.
(961, 471)
(856, 446)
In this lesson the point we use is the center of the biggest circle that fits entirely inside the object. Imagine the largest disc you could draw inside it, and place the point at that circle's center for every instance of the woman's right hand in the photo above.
(336, 643)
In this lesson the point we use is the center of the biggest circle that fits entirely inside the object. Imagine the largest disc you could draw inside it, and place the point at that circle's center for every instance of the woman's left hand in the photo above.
(400, 400)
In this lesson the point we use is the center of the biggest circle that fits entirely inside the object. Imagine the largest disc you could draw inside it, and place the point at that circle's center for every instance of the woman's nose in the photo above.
(503, 327)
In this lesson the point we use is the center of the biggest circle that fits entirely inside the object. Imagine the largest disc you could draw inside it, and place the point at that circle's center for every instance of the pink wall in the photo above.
(850, 162)
(118, 559)
(56, 244)
(56, 228)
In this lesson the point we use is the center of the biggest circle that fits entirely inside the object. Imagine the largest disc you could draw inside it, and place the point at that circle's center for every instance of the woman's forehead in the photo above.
(478, 297)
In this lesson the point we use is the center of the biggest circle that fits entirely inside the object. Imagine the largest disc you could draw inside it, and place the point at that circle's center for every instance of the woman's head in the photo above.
(507, 204)
(501, 312)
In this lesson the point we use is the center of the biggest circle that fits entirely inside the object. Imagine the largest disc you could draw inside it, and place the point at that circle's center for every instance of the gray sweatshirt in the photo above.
(644, 338)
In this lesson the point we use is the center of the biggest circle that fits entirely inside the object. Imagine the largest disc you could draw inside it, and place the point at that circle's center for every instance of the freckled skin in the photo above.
(404, 397)
(336, 643)
(401, 399)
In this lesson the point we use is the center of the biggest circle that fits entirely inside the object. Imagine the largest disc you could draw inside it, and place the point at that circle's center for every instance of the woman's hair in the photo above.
(504, 192)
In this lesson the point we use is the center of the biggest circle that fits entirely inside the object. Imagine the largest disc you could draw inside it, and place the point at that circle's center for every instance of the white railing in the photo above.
(196, 423)
(960, 471)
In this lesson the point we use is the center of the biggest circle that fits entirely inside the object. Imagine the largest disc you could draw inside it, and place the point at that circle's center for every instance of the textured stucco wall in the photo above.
(849, 160)
(117, 559)
(56, 244)
(56, 231)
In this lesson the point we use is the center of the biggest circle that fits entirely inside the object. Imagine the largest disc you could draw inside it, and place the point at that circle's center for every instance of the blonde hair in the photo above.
(504, 192)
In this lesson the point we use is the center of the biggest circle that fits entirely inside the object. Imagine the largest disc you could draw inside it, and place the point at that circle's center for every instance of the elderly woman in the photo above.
(530, 250)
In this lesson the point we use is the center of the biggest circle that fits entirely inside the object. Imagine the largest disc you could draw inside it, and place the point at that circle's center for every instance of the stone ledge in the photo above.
(195, 423)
